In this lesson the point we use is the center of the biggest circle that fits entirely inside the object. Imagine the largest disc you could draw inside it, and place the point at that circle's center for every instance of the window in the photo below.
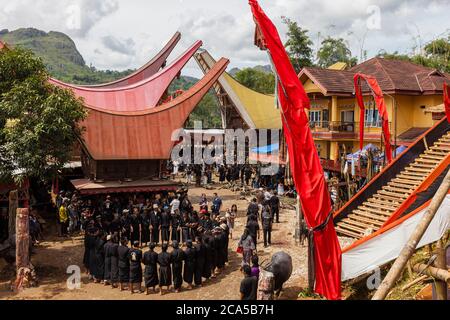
(315, 117)
(372, 119)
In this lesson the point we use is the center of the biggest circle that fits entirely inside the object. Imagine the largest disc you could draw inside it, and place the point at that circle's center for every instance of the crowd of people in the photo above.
(244, 174)
(160, 241)
(116, 230)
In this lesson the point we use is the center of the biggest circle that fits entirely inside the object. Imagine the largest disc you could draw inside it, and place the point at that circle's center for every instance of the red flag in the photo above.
(447, 100)
(381, 105)
(305, 163)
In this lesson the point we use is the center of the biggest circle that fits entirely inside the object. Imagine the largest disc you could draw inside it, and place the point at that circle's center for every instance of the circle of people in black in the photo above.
(166, 222)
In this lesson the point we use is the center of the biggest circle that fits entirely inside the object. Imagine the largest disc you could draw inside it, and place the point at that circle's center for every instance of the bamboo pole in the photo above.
(441, 263)
(413, 241)
(440, 274)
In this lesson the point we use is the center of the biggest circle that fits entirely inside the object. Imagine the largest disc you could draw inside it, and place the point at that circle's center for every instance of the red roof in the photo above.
(393, 76)
(140, 96)
(139, 135)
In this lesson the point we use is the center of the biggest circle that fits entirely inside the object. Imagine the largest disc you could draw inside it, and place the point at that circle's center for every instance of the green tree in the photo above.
(333, 51)
(39, 122)
(207, 112)
(257, 80)
(298, 45)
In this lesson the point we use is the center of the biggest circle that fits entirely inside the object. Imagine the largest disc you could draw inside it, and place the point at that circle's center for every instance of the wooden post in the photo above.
(265, 285)
(440, 274)
(13, 204)
(411, 245)
(22, 246)
(441, 263)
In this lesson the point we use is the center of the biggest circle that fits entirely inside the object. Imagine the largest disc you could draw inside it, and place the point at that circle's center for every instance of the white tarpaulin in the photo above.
(387, 246)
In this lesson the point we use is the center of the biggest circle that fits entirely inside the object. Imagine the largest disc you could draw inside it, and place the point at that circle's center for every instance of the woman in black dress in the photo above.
(189, 264)
(124, 263)
(150, 261)
(99, 258)
(136, 226)
(145, 221)
(209, 257)
(165, 271)
(114, 254)
(200, 256)
(177, 257)
(135, 257)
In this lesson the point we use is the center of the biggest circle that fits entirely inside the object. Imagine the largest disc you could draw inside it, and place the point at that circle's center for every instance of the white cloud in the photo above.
(119, 34)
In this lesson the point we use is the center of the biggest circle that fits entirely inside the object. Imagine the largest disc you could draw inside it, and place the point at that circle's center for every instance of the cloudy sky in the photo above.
(120, 34)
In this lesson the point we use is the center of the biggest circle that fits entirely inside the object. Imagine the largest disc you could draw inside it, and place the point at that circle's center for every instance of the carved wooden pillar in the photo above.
(22, 239)
(265, 285)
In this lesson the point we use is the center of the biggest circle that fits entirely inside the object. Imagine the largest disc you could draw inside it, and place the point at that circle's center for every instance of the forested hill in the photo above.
(60, 55)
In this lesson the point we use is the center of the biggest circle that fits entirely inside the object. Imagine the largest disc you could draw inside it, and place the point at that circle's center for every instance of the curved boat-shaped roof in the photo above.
(147, 70)
(257, 109)
(145, 134)
(140, 96)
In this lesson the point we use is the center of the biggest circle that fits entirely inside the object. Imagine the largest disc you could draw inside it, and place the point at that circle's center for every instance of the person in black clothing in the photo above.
(89, 244)
(224, 241)
(266, 218)
(222, 173)
(175, 226)
(200, 257)
(249, 284)
(253, 228)
(124, 263)
(116, 225)
(135, 257)
(209, 257)
(125, 222)
(136, 226)
(177, 258)
(189, 264)
(253, 208)
(99, 258)
(165, 271)
(145, 222)
(107, 248)
(165, 225)
(275, 207)
(248, 174)
(114, 255)
(219, 252)
(185, 228)
(150, 261)
(155, 224)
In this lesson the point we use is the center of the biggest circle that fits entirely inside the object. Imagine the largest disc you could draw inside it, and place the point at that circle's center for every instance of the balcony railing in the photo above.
(342, 126)
(336, 126)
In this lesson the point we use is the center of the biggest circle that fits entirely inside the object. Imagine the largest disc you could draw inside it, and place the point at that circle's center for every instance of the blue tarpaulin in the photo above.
(267, 149)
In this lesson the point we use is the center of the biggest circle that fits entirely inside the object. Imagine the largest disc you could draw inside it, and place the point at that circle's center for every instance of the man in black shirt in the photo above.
(253, 228)
(253, 208)
(275, 207)
(249, 285)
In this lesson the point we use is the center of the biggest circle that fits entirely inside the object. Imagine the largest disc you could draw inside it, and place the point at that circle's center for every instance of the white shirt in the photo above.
(174, 205)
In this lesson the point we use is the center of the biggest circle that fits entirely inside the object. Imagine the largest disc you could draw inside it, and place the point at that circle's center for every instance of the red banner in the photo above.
(382, 110)
(447, 100)
(304, 160)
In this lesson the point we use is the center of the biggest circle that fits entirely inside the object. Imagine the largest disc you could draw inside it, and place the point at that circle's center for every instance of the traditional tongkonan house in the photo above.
(128, 132)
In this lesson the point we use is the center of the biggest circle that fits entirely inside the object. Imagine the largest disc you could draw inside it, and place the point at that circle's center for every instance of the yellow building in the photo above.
(410, 90)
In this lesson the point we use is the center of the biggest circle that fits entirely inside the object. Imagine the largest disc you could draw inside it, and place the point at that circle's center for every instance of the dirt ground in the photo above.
(54, 255)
